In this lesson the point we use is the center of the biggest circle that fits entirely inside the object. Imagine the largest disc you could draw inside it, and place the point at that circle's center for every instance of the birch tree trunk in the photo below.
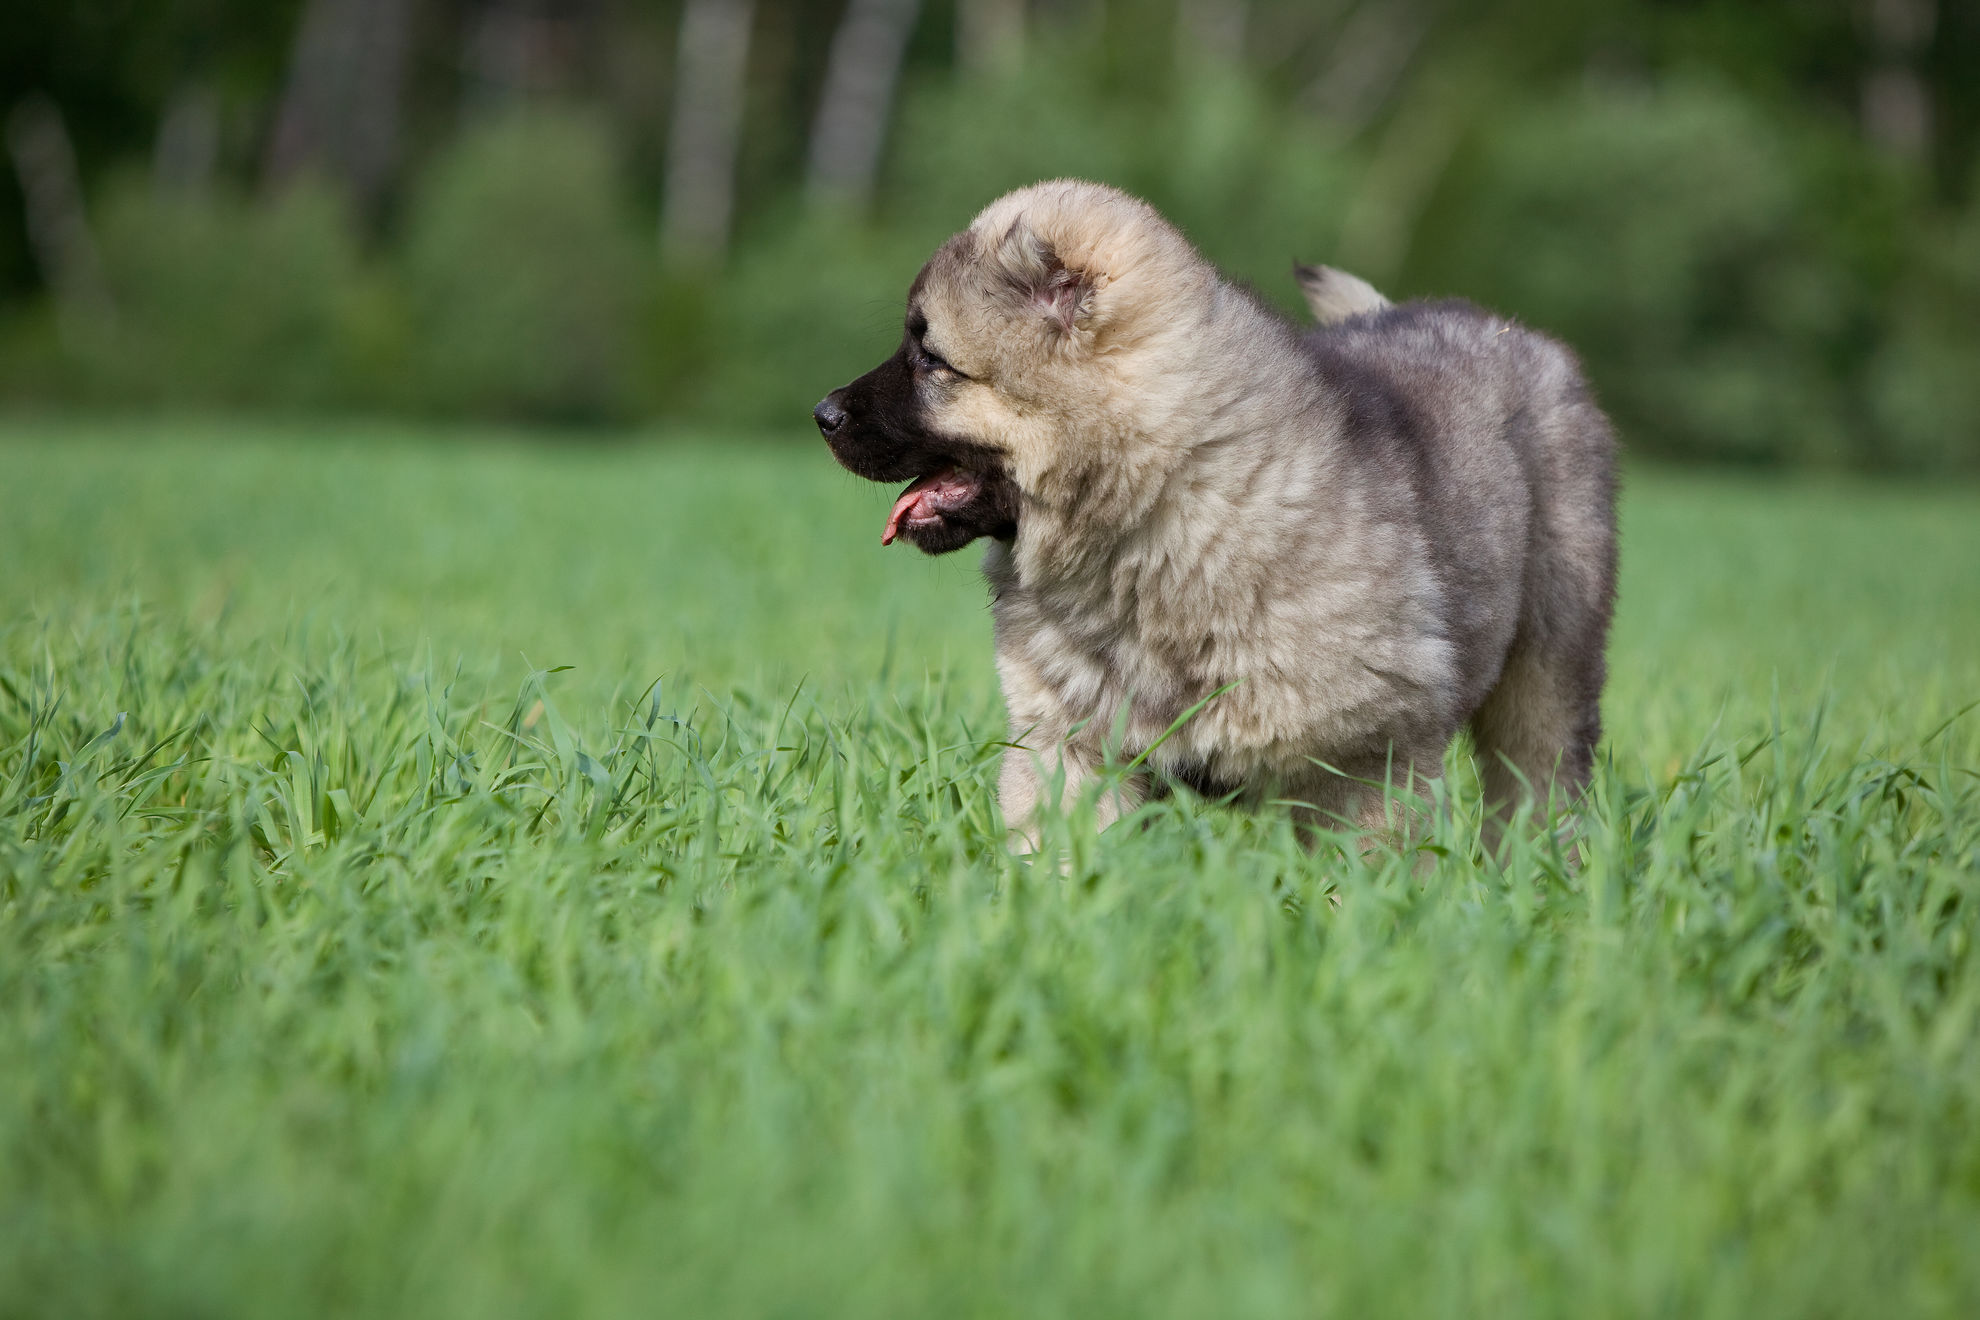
(989, 35)
(705, 129)
(1211, 30)
(860, 73)
(1896, 107)
(57, 225)
(519, 47)
(188, 146)
(340, 107)
(1372, 53)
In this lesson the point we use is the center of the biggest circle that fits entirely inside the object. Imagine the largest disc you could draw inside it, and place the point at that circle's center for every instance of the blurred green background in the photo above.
(1758, 223)
(378, 937)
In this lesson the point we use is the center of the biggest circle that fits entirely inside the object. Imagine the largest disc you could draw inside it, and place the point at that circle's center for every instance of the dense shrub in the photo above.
(1925, 378)
(810, 304)
(1253, 186)
(221, 300)
(1728, 278)
(524, 274)
(814, 299)
(1744, 283)
(961, 143)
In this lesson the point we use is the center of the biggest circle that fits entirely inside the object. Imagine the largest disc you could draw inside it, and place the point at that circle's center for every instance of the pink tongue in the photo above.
(921, 501)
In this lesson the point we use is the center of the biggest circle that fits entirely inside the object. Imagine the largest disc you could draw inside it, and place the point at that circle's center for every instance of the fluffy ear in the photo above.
(1027, 264)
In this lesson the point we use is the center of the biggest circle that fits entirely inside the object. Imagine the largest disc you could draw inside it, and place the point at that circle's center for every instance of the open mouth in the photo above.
(931, 501)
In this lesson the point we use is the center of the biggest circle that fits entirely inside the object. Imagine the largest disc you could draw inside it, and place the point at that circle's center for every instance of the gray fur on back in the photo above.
(1508, 465)
(1412, 530)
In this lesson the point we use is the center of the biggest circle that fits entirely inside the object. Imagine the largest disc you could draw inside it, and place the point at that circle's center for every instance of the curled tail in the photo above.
(1334, 296)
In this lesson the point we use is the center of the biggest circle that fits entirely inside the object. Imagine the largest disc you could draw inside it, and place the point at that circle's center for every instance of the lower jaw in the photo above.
(938, 537)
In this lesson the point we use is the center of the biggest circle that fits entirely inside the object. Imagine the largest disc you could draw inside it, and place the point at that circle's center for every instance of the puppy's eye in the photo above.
(927, 360)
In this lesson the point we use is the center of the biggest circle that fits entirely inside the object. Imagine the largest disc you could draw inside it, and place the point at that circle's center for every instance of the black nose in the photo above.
(829, 416)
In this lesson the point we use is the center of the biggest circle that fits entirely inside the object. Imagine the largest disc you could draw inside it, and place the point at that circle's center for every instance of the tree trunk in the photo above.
(518, 48)
(860, 74)
(340, 108)
(1211, 30)
(57, 225)
(188, 146)
(1897, 108)
(1370, 57)
(705, 130)
(989, 35)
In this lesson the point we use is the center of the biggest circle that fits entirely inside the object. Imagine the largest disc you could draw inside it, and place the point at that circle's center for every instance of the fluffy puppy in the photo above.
(1347, 543)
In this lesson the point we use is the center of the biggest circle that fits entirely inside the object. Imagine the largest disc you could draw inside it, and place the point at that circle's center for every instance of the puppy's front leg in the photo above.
(1052, 744)
(1022, 785)
(1017, 796)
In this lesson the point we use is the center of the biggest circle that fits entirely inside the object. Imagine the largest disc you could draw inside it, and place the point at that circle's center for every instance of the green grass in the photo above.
(354, 961)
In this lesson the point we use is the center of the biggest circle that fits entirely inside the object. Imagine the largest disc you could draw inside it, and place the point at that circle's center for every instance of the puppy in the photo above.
(1330, 550)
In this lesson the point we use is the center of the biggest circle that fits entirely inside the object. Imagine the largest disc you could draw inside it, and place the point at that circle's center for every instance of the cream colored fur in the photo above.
(1202, 506)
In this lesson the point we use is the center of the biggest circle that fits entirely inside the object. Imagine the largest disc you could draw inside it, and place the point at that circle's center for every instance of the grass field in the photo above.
(358, 956)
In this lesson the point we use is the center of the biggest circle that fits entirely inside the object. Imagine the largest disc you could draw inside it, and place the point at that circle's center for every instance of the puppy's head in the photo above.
(1028, 348)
